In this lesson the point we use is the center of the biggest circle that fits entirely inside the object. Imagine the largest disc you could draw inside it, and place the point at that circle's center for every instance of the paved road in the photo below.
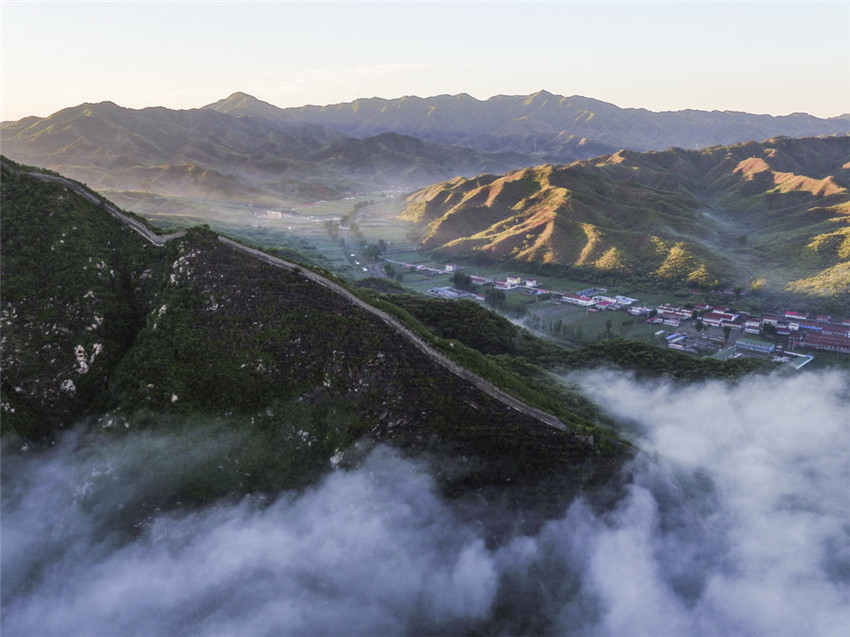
(411, 336)
(135, 224)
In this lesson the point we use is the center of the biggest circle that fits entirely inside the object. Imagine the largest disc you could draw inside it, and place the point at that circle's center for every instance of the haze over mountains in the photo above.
(554, 127)
(228, 380)
(778, 209)
(690, 216)
(539, 124)
(246, 150)
(205, 154)
(223, 406)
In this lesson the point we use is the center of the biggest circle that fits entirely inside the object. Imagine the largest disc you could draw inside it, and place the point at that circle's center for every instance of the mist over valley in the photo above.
(731, 520)
(362, 369)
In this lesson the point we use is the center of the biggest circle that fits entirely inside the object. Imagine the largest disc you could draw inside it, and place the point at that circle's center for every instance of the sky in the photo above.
(760, 57)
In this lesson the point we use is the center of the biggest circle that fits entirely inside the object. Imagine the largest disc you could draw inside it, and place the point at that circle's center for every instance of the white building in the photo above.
(575, 299)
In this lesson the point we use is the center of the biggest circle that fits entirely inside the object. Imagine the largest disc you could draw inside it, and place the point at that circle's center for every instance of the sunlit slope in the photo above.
(566, 216)
(699, 217)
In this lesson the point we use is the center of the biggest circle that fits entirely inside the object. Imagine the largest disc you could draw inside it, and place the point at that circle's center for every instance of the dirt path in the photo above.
(436, 356)
(419, 343)
(135, 224)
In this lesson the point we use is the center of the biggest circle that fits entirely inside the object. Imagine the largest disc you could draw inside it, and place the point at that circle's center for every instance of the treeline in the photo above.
(489, 333)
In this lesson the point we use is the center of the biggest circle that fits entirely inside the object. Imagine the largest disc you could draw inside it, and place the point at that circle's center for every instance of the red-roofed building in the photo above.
(826, 343)
(718, 318)
(836, 330)
(674, 312)
(576, 299)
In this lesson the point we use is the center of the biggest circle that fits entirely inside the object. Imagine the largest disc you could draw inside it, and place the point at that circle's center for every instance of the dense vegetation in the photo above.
(72, 278)
(521, 351)
(291, 373)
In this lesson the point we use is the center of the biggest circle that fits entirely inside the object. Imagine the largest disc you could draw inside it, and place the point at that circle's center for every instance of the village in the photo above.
(700, 328)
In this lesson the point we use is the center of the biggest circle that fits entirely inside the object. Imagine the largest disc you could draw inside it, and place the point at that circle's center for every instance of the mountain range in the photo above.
(778, 210)
(207, 155)
(549, 127)
(243, 150)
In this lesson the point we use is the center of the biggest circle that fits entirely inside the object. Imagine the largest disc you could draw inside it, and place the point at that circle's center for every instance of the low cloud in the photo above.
(370, 551)
(759, 543)
(734, 521)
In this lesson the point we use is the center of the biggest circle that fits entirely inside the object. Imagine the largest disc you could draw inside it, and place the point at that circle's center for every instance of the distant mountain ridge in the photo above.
(204, 153)
(553, 126)
(242, 149)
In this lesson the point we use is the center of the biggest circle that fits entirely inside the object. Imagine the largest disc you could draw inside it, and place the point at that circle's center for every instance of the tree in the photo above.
(371, 252)
(757, 285)
(462, 281)
(494, 297)
(726, 331)
(389, 270)
(333, 229)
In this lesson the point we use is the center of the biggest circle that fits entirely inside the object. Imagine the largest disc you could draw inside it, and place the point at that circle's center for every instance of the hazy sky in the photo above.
(762, 57)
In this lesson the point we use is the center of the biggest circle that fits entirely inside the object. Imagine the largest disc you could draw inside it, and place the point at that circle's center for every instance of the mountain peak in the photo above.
(540, 98)
(241, 98)
(240, 103)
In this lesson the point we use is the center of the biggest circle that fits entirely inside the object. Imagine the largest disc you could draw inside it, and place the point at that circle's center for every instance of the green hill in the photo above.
(101, 326)
(779, 209)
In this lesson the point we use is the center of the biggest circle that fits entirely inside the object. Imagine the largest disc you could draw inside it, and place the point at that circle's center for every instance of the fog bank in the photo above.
(736, 521)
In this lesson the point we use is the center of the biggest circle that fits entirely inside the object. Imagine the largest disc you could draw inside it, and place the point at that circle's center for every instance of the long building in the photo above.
(577, 299)
(825, 342)
(755, 345)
